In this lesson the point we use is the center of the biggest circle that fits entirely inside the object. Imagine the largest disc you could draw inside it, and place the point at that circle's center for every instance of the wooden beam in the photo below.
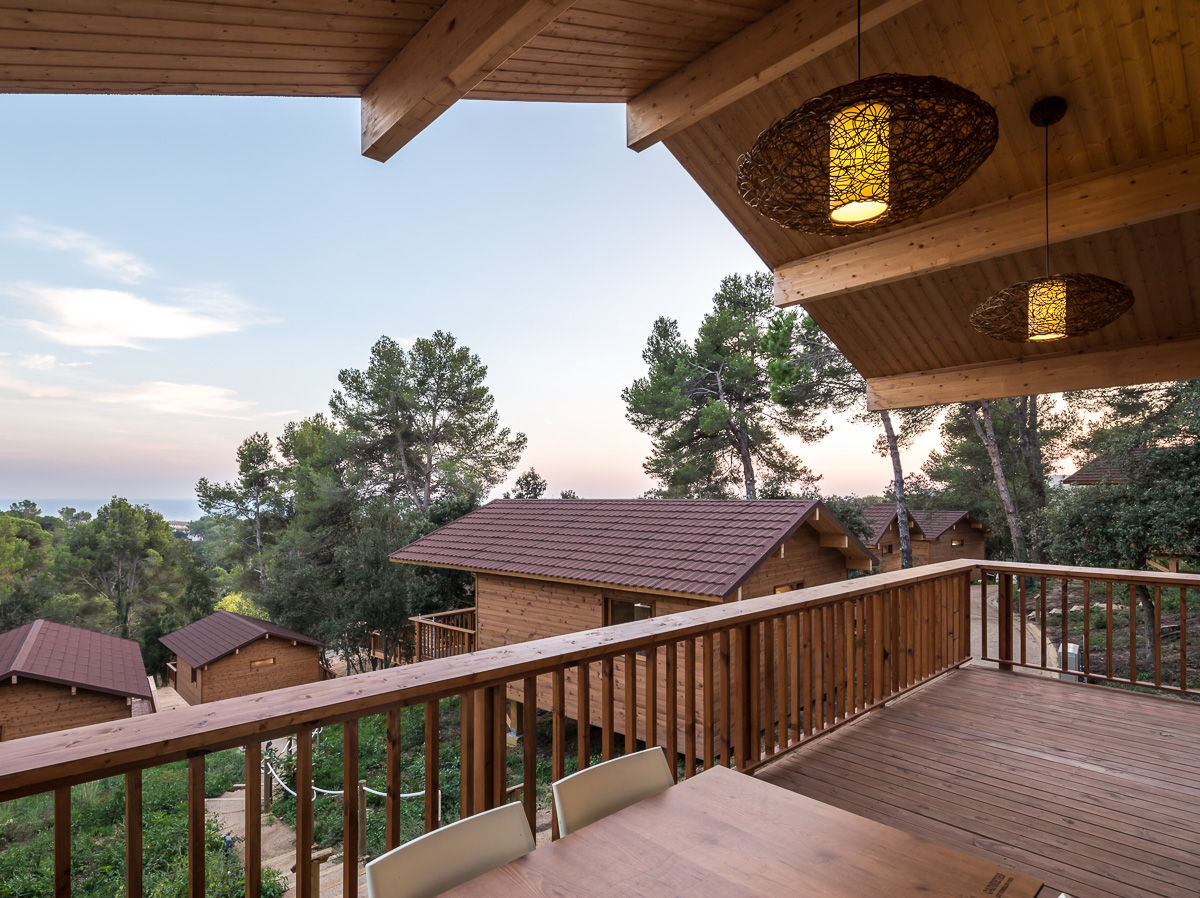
(1082, 206)
(781, 42)
(461, 44)
(835, 541)
(1079, 370)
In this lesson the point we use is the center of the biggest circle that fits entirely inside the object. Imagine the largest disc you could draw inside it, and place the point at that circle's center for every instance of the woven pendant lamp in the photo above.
(867, 154)
(1057, 306)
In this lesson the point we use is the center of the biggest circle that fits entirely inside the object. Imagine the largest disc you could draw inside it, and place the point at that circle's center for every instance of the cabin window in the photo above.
(262, 662)
(193, 675)
(956, 542)
(889, 550)
(623, 611)
(788, 587)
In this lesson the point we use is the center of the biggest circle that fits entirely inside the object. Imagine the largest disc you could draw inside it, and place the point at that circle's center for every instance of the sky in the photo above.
(177, 273)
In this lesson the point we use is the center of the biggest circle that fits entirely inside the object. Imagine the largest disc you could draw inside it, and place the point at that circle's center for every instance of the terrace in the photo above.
(830, 691)
(861, 694)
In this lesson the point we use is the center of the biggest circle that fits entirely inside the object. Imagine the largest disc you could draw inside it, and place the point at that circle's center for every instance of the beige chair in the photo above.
(596, 792)
(452, 855)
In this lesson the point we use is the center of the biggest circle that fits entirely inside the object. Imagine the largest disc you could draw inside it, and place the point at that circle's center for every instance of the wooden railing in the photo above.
(444, 634)
(742, 683)
(172, 673)
(1130, 627)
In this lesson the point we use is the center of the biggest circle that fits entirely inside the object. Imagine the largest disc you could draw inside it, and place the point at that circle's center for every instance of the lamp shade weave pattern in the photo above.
(1090, 303)
(935, 135)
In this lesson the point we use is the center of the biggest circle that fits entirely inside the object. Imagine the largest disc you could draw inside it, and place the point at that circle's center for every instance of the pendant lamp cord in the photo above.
(1046, 188)
(858, 42)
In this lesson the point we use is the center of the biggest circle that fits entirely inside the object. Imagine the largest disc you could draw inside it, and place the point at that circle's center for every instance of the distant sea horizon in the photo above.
(184, 508)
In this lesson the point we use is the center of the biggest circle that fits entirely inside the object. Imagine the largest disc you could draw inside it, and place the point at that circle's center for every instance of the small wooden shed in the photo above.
(55, 677)
(936, 535)
(227, 654)
(546, 567)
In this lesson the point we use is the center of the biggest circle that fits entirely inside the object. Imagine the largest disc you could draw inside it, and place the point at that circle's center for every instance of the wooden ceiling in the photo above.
(705, 77)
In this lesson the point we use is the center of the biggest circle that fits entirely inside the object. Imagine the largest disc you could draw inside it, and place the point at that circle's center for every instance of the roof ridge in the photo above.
(27, 644)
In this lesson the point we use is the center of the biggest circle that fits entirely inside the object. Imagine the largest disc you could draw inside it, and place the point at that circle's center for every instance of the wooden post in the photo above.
(253, 819)
(195, 817)
(352, 796)
(133, 834)
(62, 842)
(305, 885)
(1004, 621)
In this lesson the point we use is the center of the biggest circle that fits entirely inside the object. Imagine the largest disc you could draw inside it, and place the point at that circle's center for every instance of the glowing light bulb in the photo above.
(1047, 310)
(859, 163)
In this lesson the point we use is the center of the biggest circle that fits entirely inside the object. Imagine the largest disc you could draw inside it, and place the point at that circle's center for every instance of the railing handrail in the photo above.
(432, 618)
(437, 625)
(37, 763)
(1116, 575)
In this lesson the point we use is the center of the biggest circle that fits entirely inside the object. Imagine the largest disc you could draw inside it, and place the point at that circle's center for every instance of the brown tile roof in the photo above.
(223, 632)
(932, 523)
(1108, 468)
(687, 546)
(57, 653)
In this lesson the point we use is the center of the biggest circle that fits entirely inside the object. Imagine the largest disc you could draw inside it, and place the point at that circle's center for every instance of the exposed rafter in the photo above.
(780, 42)
(1088, 205)
(1167, 360)
(463, 42)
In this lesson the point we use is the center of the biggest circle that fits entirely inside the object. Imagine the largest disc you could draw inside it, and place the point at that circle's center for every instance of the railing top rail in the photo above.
(37, 763)
(435, 615)
(1116, 575)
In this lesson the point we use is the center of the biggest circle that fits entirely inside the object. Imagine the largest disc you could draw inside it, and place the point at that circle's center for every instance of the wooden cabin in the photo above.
(546, 567)
(935, 535)
(55, 677)
(228, 654)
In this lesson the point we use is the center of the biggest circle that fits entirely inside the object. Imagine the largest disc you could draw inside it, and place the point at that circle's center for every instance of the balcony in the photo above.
(861, 694)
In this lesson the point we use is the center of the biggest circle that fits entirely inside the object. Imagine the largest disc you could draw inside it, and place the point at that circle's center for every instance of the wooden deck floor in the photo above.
(1093, 790)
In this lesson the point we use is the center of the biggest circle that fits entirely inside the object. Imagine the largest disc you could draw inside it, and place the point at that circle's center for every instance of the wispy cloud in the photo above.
(98, 318)
(201, 400)
(161, 397)
(93, 251)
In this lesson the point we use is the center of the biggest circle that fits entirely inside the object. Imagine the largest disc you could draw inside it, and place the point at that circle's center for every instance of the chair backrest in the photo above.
(452, 855)
(596, 792)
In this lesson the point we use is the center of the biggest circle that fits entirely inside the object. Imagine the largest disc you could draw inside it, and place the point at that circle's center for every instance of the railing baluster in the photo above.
(195, 815)
(1042, 599)
(876, 646)
(133, 834)
(467, 736)
(1004, 623)
(781, 680)
(583, 717)
(433, 763)
(860, 654)
(739, 676)
(305, 887)
(652, 696)
(768, 681)
(689, 708)
(983, 612)
(1157, 635)
(606, 708)
(1183, 654)
(1087, 626)
(1066, 629)
(252, 816)
(725, 659)
(828, 676)
(558, 736)
(528, 749)
(1108, 629)
(1133, 646)
(837, 683)
(351, 796)
(630, 705)
(795, 680)
(1021, 610)
(851, 672)
(62, 841)
(672, 722)
(393, 764)
(710, 688)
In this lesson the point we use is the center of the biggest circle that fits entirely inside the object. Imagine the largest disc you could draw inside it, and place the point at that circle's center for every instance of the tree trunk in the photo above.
(987, 435)
(1031, 455)
(747, 465)
(906, 560)
(258, 544)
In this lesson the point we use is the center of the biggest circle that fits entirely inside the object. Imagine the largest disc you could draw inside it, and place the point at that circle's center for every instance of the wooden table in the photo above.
(724, 834)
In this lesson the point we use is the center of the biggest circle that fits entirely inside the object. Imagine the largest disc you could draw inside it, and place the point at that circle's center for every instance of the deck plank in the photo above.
(1092, 789)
